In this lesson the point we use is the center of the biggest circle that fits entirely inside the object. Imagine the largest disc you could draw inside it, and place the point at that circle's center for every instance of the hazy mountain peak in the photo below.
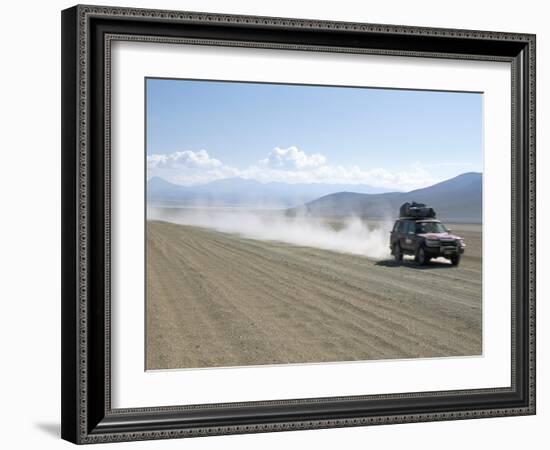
(456, 199)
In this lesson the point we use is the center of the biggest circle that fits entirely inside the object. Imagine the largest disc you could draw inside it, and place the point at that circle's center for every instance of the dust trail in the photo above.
(345, 235)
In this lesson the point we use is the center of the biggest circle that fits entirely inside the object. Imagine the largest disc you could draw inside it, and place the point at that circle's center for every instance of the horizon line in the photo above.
(305, 183)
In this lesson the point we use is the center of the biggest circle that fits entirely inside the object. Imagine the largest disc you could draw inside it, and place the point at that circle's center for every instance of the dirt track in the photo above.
(215, 299)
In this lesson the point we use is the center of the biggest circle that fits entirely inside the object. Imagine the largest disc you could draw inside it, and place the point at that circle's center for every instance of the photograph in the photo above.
(300, 224)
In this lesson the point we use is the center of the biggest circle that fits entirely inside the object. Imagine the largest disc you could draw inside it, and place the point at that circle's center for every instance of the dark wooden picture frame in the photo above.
(87, 415)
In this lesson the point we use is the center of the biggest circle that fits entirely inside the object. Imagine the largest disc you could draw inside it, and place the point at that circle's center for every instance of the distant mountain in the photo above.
(457, 199)
(243, 192)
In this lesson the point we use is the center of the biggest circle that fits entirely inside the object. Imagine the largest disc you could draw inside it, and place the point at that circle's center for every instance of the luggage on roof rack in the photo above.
(416, 210)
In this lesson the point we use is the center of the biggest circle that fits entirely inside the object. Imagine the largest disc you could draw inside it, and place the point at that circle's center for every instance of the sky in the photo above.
(200, 131)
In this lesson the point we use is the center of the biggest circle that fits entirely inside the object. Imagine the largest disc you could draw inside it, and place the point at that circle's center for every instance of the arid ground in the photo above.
(216, 299)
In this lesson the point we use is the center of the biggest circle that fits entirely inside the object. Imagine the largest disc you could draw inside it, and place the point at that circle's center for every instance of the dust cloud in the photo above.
(351, 235)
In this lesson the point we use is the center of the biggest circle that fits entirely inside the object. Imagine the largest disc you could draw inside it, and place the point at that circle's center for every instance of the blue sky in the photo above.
(198, 131)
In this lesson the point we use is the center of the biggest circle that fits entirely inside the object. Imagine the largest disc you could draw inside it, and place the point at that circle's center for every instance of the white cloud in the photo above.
(292, 158)
(289, 165)
(188, 167)
(415, 177)
(184, 159)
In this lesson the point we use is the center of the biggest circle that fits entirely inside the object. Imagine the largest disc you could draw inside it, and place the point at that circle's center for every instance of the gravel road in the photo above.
(216, 299)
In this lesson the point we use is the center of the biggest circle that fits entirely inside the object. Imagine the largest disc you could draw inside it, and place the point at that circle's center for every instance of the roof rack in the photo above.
(416, 210)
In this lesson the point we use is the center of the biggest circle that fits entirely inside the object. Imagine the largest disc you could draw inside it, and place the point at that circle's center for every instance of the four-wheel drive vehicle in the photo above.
(425, 238)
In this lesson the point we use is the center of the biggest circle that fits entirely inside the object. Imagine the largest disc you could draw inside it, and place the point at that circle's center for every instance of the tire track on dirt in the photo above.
(216, 299)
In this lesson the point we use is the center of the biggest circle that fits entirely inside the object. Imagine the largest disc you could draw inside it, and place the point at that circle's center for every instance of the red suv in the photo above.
(425, 239)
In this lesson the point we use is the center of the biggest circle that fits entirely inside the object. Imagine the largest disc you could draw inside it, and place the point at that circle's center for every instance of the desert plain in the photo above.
(222, 299)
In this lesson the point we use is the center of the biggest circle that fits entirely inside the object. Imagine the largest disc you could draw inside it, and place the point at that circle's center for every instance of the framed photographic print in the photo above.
(278, 224)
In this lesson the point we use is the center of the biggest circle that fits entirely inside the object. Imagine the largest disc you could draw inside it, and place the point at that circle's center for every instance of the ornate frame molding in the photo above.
(80, 423)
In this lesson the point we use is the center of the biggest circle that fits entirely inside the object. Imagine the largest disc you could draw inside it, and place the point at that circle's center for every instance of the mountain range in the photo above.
(243, 192)
(457, 199)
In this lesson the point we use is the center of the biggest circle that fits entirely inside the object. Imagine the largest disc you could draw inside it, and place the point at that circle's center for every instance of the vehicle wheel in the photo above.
(421, 256)
(455, 260)
(397, 254)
